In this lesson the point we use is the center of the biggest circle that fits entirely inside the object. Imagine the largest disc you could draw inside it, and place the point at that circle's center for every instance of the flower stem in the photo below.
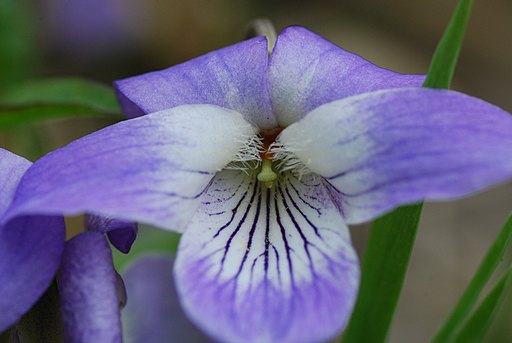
(262, 27)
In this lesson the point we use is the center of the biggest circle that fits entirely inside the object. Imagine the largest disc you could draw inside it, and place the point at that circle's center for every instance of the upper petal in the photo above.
(88, 291)
(234, 77)
(153, 312)
(260, 265)
(30, 248)
(150, 169)
(307, 71)
(392, 147)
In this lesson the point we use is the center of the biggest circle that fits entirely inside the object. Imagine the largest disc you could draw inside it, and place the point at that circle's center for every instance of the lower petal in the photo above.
(267, 265)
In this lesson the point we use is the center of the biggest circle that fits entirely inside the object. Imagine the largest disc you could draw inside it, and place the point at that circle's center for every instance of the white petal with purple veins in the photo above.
(267, 265)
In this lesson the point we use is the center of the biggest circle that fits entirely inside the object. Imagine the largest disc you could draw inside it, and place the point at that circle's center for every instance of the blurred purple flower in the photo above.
(95, 28)
(153, 312)
(262, 162)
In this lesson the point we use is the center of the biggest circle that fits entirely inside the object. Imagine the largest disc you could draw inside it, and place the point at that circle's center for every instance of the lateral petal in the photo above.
(307, 71)
(151, 169)
(267, 265)
(388, 148)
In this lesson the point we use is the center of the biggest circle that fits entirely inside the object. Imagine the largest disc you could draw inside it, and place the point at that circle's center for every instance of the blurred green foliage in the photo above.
(17, 43)
(60, 97)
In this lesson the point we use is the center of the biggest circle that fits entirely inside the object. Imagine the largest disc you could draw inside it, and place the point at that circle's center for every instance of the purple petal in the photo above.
(153, 312)
(30, 251)
(151, 169)
(88, 291)
(387, 148)
(120, 233)
(30, 248)
(307, 71)
(267, 265)
(12, 168)
(123, 239)
(234, 77)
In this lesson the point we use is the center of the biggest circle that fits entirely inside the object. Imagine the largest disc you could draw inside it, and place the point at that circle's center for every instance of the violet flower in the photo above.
(30, 247)
(262, 162)
(153, 312)
(88, 291)
(91, 291)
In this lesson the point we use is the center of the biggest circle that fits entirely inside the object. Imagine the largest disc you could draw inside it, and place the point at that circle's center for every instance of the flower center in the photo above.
(266, 157)
(267, 176)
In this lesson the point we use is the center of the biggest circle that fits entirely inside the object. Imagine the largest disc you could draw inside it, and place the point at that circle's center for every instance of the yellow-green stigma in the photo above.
(267, 175)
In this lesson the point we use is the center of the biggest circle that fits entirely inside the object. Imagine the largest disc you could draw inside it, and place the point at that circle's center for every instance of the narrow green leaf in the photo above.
(475, 287)
(384, 266)
(476, 327)
(56, 98)
(447, 52)
(392, 237)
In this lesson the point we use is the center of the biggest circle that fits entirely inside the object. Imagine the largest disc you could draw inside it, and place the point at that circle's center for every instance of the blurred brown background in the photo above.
(109, 39)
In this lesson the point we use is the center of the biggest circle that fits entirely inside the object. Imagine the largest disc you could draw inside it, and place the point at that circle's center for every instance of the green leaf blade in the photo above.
(476, 327)
(384, 265)
(442, 67)
(375, 307)
(463, 308)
